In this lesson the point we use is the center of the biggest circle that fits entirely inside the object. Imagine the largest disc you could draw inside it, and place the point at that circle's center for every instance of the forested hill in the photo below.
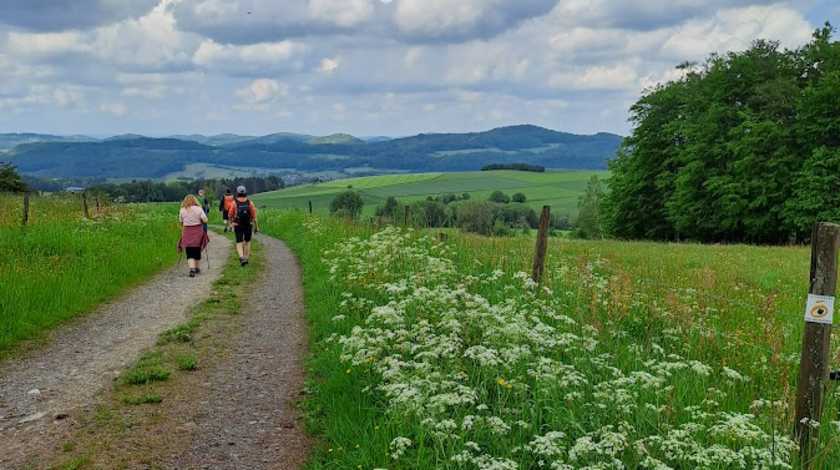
(141, 157)
(745, 148)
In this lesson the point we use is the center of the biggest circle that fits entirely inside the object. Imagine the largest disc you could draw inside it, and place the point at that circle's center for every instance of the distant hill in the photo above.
(133, 156)
(9, 141)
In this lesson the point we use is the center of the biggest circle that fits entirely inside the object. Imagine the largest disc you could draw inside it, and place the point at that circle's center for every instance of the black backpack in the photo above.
(243, 212)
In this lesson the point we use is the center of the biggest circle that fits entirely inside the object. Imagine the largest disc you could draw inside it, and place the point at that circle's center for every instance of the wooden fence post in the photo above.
(813, 366)
(98, 207)
(310, 207)
(84, 204)
(25, 208)
(407, 211)
(542, 244)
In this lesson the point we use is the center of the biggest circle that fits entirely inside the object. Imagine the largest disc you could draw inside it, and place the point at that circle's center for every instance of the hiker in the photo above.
(193, 237)
(243, 216)
(205, 205)
(224, 207)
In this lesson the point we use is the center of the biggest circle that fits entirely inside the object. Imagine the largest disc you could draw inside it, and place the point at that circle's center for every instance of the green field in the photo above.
(635, 355)
(62, 265)
(559, 189)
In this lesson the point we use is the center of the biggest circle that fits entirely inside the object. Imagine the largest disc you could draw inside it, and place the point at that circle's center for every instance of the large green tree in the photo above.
(724, 153)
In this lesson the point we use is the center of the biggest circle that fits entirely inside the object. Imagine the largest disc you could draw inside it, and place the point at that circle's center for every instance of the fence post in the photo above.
(542, 244)
(84, 204)
(310, 207)
(98, 207)
(407, 210)
(816, 340)
(25, 208)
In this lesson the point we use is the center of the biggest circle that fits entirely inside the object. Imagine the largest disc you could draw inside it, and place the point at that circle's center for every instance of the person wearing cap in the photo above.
(243, 216)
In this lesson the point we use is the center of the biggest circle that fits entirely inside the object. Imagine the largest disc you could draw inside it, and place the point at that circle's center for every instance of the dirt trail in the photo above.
(247, 419)
(80, 360)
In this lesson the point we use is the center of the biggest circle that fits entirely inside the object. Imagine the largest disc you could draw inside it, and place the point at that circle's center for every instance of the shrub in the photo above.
(499, 197)
(390, 209)
(429, 214)
(347, 203)
(519, 197)
(476, 217)
(465, 197)
(10, 181)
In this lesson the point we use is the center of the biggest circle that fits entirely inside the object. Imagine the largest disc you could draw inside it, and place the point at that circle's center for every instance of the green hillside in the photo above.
(559, 189)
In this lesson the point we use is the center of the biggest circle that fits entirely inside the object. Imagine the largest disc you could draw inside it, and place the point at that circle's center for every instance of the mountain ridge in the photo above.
(136, 156)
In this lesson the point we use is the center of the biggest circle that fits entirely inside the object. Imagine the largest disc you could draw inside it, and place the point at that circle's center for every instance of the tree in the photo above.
(726, 153)
(499, 197)
(589, 224)
(348, 203)
(476, 217)
(519, 197)
(10, 180)
(390, 209)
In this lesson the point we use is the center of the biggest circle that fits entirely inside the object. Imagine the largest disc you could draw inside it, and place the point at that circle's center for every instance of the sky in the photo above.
(366, 67)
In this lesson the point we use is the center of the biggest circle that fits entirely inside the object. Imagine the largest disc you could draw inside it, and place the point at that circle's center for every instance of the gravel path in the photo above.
(38, 390)
(248, 419)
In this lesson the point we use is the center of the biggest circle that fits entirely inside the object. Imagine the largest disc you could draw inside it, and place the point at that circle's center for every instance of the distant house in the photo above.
(74, 189)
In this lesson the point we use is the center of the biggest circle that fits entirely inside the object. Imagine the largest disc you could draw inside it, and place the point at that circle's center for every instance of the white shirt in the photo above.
(193, 215)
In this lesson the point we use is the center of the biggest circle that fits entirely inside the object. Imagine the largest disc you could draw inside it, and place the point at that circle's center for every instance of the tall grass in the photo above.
(631, 355)
(62, 265)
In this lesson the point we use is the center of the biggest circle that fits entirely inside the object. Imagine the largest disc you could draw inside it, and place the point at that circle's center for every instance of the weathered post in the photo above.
(25, 208)
(310, 207)
(98, 207)
(84, 205)
(407, 211)
(542, 244)
(819, 316)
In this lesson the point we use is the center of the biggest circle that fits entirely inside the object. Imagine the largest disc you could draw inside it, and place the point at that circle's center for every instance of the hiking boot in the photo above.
(246, 261)
(192, 272)
(243, 261)
(198, 270)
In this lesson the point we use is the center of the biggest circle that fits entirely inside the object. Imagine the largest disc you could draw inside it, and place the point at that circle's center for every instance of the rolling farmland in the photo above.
(558, 189)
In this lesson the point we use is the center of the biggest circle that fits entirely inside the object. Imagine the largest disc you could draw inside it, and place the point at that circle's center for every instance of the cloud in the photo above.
(328, 65)
(115, 109)
(464, 19)
(260, 93)
(255, 21)
(58, 15)
(252, 21)
(253, 58)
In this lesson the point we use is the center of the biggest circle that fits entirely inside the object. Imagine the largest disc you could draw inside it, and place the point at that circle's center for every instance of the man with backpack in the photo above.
(225, 205)
(243, 216)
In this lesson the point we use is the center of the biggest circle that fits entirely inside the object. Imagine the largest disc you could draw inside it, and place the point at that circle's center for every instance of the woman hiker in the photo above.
(243, 216)
(225, 203)
(193, 237)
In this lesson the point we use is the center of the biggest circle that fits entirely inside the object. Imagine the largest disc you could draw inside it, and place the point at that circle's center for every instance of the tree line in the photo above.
(155, 191)
(743, 148)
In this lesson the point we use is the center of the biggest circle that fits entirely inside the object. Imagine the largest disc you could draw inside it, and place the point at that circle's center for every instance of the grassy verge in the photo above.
(630, 355)
(142, 418)
(61, 265)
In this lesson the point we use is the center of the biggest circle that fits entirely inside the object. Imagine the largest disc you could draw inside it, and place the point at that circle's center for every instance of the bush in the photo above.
(429, 214)
(465, 197)
(10, 181)
(519, 197)
(390, 209)
(347, 203)
(518, 215)
(476, 217)
(499, 197)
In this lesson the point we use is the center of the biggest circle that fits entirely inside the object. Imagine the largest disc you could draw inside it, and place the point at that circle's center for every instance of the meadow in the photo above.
(430, 354)
(62, 265)
(559, 189)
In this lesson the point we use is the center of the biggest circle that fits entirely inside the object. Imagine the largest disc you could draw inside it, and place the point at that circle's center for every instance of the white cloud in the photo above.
(328, 65)
(227, 58)
(260, 93)
(115, 109)
(344, 13)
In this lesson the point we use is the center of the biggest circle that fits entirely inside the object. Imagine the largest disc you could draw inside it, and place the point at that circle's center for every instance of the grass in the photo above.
(559, 189)
(62, 265)
(729, 318)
